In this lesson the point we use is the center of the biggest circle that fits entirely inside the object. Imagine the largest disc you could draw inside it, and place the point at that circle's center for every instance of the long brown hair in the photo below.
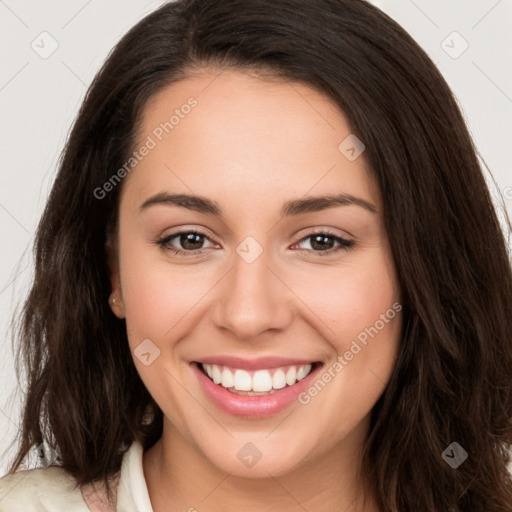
(452, 381)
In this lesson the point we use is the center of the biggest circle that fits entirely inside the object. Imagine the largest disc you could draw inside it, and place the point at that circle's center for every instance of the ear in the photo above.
(116, 296)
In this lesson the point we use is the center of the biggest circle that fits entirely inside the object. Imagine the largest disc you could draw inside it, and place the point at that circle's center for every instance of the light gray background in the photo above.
(39, 98)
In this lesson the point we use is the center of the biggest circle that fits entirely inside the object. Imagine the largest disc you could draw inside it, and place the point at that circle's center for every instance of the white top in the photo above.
(54, 490)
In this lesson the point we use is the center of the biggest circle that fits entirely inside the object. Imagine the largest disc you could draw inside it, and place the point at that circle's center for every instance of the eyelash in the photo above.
(344, 243)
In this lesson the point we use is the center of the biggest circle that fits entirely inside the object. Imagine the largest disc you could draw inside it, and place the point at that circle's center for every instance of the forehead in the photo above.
(212, 133)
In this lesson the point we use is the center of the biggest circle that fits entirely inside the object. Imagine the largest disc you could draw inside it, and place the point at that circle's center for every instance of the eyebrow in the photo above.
(293, 207)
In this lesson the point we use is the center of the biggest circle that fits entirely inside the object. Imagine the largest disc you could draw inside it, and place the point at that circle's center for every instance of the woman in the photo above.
(269, 276)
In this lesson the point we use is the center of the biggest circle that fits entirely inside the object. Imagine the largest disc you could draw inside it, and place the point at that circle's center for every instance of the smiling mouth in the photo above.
(258, 382)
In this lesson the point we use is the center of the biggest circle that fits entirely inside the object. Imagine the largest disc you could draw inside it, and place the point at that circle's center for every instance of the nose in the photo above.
(253, 299)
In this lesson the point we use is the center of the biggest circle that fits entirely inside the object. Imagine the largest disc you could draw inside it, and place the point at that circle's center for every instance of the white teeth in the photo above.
(303, 371)
(279, 379)
(216, 374)
(260, 381)
(243, 381)
(291, 376)
(228, 380)
(208, 368)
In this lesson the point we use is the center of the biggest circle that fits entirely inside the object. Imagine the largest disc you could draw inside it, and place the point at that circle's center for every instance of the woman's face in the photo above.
(275, 283)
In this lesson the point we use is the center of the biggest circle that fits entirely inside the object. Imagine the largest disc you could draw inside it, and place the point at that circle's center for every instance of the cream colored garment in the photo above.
(54, 490)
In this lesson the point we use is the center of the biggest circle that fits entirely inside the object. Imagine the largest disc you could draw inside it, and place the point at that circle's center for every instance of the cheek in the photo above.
(359, 314)
(357, 306)
(156, 295)
(350, 297)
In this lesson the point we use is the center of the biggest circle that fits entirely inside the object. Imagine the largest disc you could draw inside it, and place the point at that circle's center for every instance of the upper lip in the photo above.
(260, 363)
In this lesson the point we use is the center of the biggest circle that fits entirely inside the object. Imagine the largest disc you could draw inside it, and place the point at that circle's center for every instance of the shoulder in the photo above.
(32, 490)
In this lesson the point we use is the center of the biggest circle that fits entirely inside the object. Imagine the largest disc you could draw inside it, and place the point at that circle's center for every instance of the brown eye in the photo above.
(183, 242)
(191, 241)
(324, 243)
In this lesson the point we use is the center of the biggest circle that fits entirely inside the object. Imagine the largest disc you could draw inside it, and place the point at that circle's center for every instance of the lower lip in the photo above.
(252, 406)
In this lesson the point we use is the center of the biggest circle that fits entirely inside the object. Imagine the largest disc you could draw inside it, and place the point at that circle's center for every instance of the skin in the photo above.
(251, 144)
